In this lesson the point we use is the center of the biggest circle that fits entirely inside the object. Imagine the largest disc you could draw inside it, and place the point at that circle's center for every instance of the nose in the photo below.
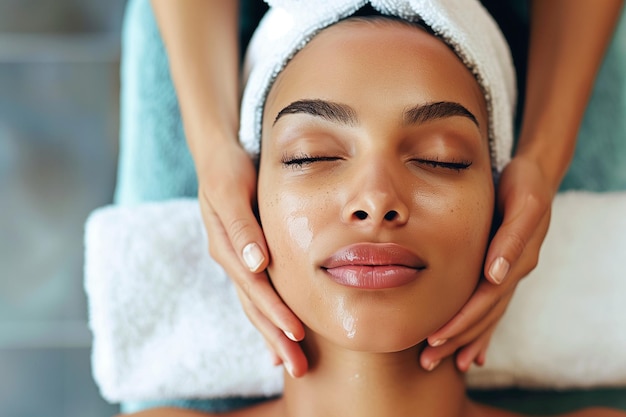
(376, 198)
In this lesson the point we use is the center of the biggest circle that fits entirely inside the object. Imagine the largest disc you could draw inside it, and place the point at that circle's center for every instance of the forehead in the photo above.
(397, 60)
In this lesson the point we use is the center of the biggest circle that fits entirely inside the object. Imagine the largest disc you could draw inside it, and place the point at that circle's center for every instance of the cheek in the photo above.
(289, 222)
(286, 217)
(473, 215)
(459, 226)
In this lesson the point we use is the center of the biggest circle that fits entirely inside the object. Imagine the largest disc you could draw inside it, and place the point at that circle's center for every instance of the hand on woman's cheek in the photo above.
(524, 198)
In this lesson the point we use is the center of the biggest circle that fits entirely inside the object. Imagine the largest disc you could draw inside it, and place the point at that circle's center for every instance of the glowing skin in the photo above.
(300, 232)
(349, 157)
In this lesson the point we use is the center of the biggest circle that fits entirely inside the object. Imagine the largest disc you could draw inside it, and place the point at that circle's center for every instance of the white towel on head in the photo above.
(167, 322)
(463, 24)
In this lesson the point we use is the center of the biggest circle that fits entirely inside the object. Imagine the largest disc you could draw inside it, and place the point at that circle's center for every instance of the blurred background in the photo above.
(58, 136)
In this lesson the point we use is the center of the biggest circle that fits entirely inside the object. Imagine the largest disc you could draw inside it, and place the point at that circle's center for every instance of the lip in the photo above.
(373, 266)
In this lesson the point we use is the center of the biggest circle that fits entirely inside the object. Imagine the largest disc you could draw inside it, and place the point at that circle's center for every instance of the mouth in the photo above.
(373, 266)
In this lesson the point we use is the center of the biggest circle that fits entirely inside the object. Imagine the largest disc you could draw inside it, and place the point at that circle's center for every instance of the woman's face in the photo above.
(375, 189)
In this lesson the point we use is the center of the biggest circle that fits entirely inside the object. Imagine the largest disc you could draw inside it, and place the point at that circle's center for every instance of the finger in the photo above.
(432, 355)
(523, 218)
(276, 360)
(482, 355)
(288, 352)
(263, 296)
(256, 287)
(482, 302)
(263, 326)
(232, 215)
(475, 351)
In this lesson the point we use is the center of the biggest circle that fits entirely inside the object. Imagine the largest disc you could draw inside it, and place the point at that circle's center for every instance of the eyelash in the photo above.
(452, 165)
(300, 160)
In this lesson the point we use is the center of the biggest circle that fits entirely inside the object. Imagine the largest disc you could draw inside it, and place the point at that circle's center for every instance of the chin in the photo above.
(385, 342)
(374, 328)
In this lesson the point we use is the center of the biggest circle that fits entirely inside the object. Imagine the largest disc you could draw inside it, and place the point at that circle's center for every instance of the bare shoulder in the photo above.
(267, 409)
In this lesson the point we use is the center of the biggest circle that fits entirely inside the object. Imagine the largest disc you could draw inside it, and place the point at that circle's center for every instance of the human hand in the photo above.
(524, 199)
(226, 193)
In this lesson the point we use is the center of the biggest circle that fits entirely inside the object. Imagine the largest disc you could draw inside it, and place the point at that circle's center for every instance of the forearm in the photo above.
(567, 43)
(202, 46)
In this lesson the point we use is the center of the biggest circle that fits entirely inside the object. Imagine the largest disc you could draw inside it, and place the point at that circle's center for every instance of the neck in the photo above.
(347, 383)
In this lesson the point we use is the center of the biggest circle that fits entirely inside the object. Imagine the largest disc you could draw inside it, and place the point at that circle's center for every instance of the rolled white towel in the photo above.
(566, 325)
(165, 318)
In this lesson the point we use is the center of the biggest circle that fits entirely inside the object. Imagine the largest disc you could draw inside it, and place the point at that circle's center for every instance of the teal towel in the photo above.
(599, 163)
(218, 405)
(154, 161)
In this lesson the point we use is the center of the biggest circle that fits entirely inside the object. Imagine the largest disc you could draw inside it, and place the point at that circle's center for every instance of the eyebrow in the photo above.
(333, 112)
(423, 113)
(344, 114)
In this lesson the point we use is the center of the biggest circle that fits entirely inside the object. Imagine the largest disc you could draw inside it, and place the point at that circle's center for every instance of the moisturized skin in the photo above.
(394, 178)
(376, 197)
(398, 160)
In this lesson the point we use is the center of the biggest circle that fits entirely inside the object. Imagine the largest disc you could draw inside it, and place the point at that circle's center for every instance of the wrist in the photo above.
(207, 124)
(550, 160)
(215, 150)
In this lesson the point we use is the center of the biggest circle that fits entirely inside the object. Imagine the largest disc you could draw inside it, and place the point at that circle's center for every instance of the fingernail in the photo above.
(480, 360)
(499, 269)
(433, 365)
(438, 342)
(289, 368)
(482, 357)
(252, 256)
(290, 336)
(463, 366)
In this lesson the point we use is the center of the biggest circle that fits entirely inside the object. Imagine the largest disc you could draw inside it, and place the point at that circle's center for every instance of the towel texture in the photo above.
(154, 161)
(463, 24)
(167, 322)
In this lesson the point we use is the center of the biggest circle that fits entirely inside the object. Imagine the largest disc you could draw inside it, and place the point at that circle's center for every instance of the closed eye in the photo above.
(451, 165)
(301, 160)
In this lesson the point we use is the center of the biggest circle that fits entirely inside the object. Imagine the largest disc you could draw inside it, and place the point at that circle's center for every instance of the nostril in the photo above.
(391, 215)
(360, 214)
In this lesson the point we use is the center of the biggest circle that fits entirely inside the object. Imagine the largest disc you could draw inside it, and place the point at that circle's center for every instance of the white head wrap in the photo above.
(462, 24)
